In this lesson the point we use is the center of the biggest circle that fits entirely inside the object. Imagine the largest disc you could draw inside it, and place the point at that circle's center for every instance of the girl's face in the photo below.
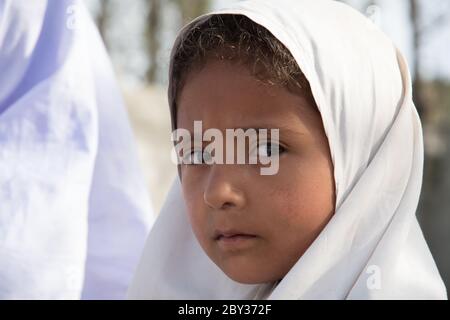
(284, 212)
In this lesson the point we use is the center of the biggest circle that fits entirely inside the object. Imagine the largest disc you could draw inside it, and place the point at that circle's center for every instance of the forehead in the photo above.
(226, 95)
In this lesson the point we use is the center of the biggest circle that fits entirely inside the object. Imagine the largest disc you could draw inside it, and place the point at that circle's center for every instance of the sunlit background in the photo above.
(139, 34)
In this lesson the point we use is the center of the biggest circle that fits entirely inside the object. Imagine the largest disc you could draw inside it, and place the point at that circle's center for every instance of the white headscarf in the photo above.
(74, 211)
(373, 247)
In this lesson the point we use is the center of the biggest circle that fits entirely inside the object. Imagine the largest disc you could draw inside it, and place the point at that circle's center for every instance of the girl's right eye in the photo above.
(193, 157)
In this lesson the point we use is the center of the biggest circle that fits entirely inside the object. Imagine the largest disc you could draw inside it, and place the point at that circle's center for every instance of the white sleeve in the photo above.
(119, 210)
(74, 212)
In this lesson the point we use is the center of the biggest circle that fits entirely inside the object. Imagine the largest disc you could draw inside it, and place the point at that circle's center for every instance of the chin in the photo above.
(248, 277)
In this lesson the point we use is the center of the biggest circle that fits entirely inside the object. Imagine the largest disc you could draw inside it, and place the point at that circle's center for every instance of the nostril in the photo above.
(227, 205)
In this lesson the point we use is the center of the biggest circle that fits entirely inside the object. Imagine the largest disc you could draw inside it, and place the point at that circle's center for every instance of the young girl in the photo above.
(337, 221)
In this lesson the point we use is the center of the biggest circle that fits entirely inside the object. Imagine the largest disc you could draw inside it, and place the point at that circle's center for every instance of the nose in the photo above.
(222, 190)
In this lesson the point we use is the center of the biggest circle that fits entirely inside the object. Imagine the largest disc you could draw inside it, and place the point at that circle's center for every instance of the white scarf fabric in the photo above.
(373, 247)
(74, 210)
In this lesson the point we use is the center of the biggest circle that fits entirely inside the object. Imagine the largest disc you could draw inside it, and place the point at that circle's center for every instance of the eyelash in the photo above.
(281, 149)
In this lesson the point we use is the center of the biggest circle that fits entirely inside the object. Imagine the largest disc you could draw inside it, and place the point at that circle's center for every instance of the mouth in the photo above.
(230, 234)
(233, 240)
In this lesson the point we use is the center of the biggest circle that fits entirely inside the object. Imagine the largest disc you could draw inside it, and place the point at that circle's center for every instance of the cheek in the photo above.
(300, 198)
(193, 199)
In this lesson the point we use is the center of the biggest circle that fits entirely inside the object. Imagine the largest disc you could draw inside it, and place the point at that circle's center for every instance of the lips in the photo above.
(228, 234)
(235, 236)
(233, 241)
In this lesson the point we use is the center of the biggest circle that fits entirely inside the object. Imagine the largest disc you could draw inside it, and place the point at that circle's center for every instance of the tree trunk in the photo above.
(152, 38)
(103, 18)
(417, 83)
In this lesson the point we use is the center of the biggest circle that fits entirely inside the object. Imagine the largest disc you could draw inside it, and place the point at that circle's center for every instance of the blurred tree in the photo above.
(420, 31)
(152, 30)
(431, 98)
(102, 18)
(418, 84)
(190, 9)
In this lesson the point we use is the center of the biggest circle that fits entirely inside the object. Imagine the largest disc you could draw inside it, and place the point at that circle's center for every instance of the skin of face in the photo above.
(285, 211)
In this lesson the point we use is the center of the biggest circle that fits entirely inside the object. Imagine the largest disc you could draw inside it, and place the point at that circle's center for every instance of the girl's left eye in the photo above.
(268, 150)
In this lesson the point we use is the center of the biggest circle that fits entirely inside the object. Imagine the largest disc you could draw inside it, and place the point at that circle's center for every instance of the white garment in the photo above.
(74, 211)
(373, 247)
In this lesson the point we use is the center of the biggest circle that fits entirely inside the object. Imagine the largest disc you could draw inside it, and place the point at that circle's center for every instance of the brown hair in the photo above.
(235, 38)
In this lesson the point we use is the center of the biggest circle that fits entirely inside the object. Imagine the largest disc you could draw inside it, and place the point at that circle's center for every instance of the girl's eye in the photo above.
(193, 157)
(268, 150)
(262, 151)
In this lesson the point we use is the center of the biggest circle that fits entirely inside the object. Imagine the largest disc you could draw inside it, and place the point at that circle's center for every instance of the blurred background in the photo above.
(139, 34)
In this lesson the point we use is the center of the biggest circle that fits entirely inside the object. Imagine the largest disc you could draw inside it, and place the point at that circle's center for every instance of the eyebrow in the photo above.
(283, 129)
(269, 127)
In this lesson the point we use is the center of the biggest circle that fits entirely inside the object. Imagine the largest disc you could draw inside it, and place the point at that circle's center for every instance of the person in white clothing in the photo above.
(74, 209)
